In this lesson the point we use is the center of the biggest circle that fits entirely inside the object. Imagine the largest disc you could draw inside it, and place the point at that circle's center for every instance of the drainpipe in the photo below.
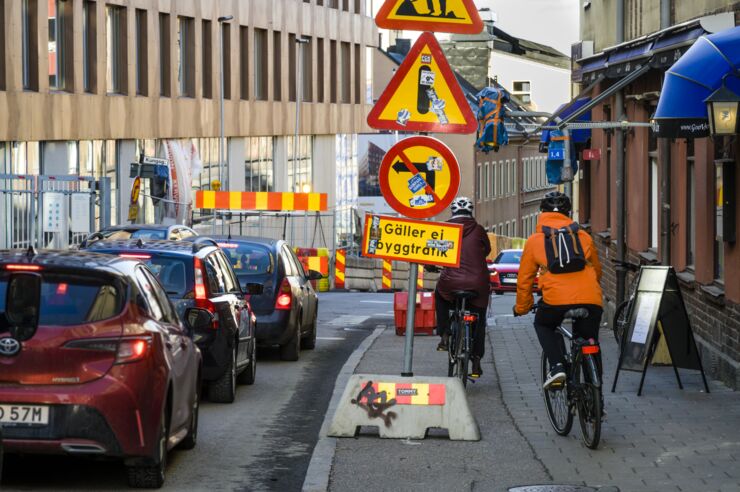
(621, 171)
(664, 151)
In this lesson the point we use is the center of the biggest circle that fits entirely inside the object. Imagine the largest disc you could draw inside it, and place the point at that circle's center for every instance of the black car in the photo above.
(287, 308)
(198, 274)
(141, 231)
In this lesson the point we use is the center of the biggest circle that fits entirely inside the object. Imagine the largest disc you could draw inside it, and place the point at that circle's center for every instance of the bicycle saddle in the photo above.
(464, 294)
(577, 313)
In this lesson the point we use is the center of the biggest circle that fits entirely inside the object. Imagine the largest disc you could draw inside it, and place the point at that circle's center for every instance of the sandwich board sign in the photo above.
(658, 308)
(423, 95)
(419, 177)
(455, 16)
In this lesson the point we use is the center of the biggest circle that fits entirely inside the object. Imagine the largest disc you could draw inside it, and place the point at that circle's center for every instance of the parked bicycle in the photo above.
(581, 391)
(622, 314)
(461, 337)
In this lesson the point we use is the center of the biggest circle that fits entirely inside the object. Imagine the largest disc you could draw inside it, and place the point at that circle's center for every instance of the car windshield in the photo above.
(248, 258)
(141, 233)
(73, 300)
(174, 273)
(509, 257)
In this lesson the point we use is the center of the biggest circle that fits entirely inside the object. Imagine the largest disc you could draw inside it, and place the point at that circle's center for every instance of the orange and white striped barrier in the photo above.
(261, 200)
(340, 263)
(387, 275)
(420, 278)
(317, 263)
(410, 393)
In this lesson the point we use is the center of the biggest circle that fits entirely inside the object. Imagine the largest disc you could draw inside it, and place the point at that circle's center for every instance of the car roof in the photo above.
(70, 259)
(183, 247)
(143, 227)
(251, 239)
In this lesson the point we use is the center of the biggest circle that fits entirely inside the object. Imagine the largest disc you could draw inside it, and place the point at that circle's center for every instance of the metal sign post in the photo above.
(408, 350)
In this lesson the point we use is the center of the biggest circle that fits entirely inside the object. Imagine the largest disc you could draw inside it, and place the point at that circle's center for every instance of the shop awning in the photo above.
(682, 112)
(565, 110)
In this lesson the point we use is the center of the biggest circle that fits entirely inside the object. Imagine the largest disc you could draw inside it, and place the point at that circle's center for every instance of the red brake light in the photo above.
(62, 289)
(201, 295)
(23, 268)
(284, 299)
(590, 349)
(131, 350)
(135, 256)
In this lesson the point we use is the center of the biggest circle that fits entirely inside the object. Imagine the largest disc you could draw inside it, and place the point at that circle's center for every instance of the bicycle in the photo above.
(582, 389)
(622, 313)
(460, 344)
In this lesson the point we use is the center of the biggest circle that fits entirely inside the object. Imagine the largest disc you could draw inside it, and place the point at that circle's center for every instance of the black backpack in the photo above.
(563, 249)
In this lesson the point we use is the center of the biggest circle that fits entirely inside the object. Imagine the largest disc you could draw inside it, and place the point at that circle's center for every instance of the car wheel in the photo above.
(192, 438)
(291, 350)
(151, 475)
(309, 342)
(248, 375)
(223, 390)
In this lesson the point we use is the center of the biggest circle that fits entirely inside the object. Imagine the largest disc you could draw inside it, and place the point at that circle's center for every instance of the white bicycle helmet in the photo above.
(462, 205)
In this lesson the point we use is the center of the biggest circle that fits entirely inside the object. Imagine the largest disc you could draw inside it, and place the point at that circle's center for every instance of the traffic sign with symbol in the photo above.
(419, 177)
(456, 16)
(423, 95)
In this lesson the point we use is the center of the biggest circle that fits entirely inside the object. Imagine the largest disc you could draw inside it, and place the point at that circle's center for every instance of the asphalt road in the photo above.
(263, 441)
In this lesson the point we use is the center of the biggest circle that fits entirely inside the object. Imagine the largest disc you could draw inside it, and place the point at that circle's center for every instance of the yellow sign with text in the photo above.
(415, 241)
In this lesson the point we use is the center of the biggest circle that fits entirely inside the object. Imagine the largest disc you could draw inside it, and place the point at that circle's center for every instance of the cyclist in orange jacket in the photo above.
(570, 273)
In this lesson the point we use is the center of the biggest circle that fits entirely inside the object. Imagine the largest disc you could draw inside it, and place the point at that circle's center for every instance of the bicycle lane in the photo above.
(667, 439)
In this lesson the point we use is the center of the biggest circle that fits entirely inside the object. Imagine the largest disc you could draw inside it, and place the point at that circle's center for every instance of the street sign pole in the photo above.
(408, 350)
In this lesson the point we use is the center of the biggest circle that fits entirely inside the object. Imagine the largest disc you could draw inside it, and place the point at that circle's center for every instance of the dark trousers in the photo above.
(548, 318)
(443, 308)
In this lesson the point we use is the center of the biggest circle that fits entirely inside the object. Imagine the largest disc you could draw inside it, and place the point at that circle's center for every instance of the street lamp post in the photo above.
(221, 164)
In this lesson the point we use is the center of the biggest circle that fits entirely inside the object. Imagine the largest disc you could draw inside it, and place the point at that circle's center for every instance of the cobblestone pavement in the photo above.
(667, 439)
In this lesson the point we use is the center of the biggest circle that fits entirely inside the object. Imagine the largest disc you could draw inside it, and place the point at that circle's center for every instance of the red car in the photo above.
(111, 370)
(504, 270)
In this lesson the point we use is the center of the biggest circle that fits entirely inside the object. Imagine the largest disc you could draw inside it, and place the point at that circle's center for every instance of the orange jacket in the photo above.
(557, 289)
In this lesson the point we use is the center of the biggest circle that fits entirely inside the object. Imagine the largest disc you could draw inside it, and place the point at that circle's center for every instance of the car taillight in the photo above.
(201, 296)
(284, 299)
(126, 349)
(23, 268)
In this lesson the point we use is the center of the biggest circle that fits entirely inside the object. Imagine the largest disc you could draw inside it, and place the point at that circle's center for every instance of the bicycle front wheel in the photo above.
(589, 404)
(557, 404)
(621, 319)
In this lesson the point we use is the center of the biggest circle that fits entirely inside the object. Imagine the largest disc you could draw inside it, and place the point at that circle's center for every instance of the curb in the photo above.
(319, 468)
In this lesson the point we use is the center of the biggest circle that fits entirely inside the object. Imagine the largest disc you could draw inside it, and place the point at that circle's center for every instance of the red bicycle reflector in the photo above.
(228, 245)
(590, 349)
(135, 256)
(23, 268)
(470, 317)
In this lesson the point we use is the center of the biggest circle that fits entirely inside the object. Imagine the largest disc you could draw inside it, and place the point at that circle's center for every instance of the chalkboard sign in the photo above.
(658, 300)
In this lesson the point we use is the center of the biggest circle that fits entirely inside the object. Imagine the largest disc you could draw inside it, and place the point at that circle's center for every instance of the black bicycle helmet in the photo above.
(555, 201)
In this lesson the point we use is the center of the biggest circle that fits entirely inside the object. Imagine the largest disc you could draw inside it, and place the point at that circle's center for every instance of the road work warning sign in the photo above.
(456, 16)
(415, 241)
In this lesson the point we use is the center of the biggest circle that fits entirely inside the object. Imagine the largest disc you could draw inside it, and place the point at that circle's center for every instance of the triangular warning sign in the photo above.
(456, 16)
(423, 95)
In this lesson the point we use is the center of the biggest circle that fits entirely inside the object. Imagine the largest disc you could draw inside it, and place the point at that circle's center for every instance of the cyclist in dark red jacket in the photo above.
(471, 275)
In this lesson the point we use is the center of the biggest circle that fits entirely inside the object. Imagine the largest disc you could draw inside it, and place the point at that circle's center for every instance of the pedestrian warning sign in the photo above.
(419, 177)
(423, 95)
(415, 241)
(455, 16)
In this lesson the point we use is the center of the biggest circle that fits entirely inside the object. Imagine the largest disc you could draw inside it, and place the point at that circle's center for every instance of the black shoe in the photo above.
(555, 378)
(477, 369)
(443, 343)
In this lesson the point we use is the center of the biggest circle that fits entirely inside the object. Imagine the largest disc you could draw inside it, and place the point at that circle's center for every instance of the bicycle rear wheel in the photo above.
(557, 404)
(590, 403)
(463, 359)
(453, 348)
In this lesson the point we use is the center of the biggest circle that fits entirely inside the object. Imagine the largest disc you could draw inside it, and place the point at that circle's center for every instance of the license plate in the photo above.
(508, 280)
(24, 414)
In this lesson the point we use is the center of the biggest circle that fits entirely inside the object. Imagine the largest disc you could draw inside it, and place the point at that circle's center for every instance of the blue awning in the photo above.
(565, 110)
(682, 112)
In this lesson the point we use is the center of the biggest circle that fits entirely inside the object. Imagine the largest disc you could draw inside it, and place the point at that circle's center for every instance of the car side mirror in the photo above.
(314, 275)
(254, 289)
(198, 319)
(22, 305)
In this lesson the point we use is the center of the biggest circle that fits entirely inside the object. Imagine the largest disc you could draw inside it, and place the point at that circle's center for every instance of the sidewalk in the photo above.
(667, 439)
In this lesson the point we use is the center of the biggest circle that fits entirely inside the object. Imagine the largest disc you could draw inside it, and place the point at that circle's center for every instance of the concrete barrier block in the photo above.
(404, 407)
(363, 284)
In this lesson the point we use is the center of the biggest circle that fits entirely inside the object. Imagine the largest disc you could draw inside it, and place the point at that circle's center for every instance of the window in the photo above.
(258, 163)
(207, 59)
(307, 67)
(690, 205)
(249, 259)
(486, 181)
(291, 67)
(500, 178)
(369, 53)
(111, 171)
(116, 52)
(479, 188)
(148, 290)
(505, 178)
(358, 75)
(320, 70)
(231, 284)
(277, 77)
(260, 64)
(226, 58)
(333, 71)
(522, 90)
(653, 183)
(719, 245)
(186, 56)
(164, 55)
(168, 311)
(512, 178)
(244, 62)
(2, 45)
(60, 45)
(142, 48)
(89, 46)
(215, 274)
(345, 5)
(346, 73)
(300, 169)
(208, 152)
(608, 164)
(29, 44)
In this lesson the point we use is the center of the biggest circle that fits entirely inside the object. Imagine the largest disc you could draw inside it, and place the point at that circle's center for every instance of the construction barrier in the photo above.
(319, 264)
(425, 321)
(387, 275)
(420, 278)
(340, 263)
(261, 200)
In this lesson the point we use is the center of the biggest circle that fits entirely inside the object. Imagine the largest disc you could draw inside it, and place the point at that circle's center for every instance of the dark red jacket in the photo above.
(473, 271)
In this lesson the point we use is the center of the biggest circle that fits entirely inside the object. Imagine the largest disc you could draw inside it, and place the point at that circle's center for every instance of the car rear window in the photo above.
(174, 273)
(248, 259)
(142, 233)
(509, 257)
(72, 300)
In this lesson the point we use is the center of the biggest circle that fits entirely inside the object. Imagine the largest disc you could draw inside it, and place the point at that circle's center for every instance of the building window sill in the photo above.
(649, 257)
(687, 279)
(605, 235)
(714, 294)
